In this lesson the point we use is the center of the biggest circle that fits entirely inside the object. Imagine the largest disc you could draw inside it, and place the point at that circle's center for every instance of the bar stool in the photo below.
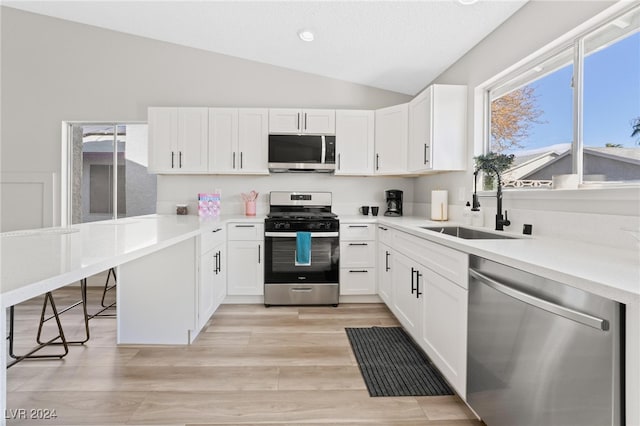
(30, 355)
(107, 288)
(82, 301)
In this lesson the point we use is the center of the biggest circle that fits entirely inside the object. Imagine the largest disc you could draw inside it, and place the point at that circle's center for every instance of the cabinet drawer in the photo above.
(246, 231)
(211, 238)
(385, 234)
(447, 262)
(356, 254)
(357, 231)
(357, 281)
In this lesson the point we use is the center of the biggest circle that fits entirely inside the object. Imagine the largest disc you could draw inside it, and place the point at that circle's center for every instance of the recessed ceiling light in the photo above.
(306, 35)
(467, 2)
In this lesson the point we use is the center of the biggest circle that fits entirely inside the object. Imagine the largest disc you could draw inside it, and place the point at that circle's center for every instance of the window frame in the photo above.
(575, 41)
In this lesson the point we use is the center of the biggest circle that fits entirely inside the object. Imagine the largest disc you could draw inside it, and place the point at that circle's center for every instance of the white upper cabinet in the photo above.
(355, 142)
(292, 120)
(178, 140)
(223, 139)
(391, 139)
(238, 140)
(437, 129)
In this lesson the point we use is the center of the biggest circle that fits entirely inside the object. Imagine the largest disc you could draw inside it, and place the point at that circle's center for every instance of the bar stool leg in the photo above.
(30, 354)
(107, 288)
(82, 301)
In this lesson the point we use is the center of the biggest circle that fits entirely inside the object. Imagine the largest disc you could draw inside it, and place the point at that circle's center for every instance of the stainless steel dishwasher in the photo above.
(541, 353)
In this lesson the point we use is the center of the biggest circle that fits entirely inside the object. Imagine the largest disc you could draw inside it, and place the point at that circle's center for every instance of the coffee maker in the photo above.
(394, 202)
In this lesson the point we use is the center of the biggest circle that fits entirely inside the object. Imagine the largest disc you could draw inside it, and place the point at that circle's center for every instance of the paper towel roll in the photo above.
(439, 205)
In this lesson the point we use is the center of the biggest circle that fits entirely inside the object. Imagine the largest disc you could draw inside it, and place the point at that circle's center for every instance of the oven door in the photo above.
(280, 267)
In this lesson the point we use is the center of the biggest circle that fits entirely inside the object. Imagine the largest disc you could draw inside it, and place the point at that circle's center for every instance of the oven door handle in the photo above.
(293, 234)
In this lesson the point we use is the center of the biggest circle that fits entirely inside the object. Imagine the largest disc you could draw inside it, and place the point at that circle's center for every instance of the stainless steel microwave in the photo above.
(302, 153)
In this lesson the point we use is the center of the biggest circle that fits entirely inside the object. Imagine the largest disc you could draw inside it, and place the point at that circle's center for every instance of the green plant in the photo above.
(492, 164)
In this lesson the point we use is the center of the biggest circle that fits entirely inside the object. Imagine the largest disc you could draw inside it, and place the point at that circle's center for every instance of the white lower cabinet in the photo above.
(444, 328)
(425, 286)
(385, 258)
(407, 291)
(212, 285)
(245, 263)
(357, 259)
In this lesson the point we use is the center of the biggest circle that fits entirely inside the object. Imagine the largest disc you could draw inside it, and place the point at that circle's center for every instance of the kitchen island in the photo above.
(155, 249)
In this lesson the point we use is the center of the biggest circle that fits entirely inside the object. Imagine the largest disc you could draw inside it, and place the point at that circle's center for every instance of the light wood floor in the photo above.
(252, 365)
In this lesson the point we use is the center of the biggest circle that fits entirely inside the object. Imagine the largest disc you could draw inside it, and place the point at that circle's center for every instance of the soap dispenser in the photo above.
(467, 214)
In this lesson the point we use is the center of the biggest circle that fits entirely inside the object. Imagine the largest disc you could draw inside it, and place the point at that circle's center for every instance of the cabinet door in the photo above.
(163, 139)
(385, 258)
(420, 109)
(206, 287)
(444, 328)
(192, 140)
(318, 121)
(354, 142)
(449, 127)
(285, 120)
(245, 269)
(391, 139)
(407, 303)
(253, 141)
(357, 281)
(220, 277)
(223, 139)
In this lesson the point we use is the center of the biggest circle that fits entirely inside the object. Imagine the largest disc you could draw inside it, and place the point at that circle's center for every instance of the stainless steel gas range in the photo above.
(302, 250)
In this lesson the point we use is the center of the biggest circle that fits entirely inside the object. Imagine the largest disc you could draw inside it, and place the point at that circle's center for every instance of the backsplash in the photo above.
(349, 193)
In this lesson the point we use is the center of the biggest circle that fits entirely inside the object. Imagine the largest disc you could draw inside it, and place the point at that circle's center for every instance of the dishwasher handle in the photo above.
(580, 317)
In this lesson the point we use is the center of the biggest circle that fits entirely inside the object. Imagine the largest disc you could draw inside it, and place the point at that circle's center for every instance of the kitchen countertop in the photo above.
(37, 261)
(602, 270)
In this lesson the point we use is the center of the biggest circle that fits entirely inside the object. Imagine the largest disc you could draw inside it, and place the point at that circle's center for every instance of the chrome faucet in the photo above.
(501, 221)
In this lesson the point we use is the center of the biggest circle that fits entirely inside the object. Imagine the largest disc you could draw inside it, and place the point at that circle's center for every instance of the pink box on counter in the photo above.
(209, 205)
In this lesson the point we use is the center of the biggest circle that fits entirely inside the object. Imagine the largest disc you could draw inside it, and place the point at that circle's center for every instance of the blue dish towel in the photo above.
(303, 249)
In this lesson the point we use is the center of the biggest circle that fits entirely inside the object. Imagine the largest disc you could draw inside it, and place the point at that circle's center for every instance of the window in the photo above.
(96, 186)
(582, 101)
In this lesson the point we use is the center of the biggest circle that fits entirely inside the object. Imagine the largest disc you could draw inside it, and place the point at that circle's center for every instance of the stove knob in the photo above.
(287, 225)
(327, 225)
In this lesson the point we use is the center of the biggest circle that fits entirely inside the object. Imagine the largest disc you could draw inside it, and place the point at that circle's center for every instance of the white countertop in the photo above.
(36, 261)
(605, 271)
(42, 260)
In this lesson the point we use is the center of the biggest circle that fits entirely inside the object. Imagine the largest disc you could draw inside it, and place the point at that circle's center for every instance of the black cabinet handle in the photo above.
(358, 244)
(180, 159)
(338, 161)
(234, 161)
(418, 292)
(298, 125)
(245, 226)
(360, 271)
(383, 228)
(377, 161)
(358, 226)
(259, 256)
(413, 284)
(217, 230)
(386, 260)
(305, 121)
(172, 163)
(240, 159)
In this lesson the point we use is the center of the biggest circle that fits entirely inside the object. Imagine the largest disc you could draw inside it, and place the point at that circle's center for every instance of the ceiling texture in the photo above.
(395, 45)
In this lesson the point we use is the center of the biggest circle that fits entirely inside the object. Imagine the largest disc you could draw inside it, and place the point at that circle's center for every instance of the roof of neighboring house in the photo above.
(628, 155)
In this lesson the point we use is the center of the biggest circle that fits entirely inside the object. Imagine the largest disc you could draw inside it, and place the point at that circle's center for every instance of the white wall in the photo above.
(55, 70)
(596, 215)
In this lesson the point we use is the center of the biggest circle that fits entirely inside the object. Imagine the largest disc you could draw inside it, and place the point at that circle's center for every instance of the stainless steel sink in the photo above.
(467, 233)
